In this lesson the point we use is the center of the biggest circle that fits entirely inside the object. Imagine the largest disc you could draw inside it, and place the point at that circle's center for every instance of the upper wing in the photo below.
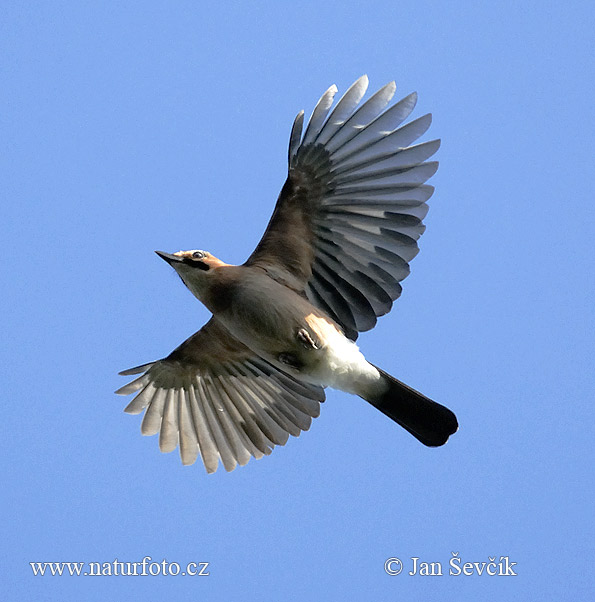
(215, 398)
(347, 221)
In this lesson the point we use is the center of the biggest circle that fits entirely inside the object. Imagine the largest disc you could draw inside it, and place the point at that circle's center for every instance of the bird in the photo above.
(284, 324)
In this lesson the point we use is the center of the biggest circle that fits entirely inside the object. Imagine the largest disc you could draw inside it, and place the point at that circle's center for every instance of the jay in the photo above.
(284, 324)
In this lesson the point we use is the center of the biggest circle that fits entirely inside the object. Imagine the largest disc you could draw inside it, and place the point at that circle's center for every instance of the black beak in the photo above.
(169, 257)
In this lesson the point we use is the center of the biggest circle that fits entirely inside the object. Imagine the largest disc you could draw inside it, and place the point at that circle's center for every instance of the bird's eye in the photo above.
(198, 255)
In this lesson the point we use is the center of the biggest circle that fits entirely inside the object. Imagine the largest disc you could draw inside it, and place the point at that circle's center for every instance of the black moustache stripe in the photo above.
(196, 264)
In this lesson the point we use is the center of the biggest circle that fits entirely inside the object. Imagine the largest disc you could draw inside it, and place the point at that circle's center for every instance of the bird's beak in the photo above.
(169, 257)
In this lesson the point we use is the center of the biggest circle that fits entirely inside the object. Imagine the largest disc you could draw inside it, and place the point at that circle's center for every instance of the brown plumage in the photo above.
(330, 262)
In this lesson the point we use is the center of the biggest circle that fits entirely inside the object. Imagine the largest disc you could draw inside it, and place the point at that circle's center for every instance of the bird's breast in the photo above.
(267, 316)
(285, 328)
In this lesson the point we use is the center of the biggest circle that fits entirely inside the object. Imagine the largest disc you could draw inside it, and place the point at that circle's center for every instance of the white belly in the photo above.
(342, 366)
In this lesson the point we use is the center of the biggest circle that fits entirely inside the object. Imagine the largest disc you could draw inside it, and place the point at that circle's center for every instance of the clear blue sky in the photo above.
(133, 126)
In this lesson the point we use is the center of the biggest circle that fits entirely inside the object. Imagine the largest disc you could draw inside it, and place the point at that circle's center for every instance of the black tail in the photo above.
(426, 420)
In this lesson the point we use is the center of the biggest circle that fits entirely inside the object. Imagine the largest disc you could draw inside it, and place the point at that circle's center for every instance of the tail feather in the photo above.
(428, 421)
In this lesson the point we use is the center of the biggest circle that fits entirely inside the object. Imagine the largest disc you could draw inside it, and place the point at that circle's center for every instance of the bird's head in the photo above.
(195, 268)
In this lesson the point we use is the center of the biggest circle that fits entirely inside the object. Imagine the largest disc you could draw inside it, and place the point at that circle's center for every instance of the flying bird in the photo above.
(284, 324)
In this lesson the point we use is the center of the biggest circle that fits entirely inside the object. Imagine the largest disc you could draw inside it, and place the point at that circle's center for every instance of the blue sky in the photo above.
(134, 126)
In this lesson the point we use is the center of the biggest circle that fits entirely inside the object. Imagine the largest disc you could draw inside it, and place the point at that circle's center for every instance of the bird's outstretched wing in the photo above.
(347, 221)
(216, 398)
